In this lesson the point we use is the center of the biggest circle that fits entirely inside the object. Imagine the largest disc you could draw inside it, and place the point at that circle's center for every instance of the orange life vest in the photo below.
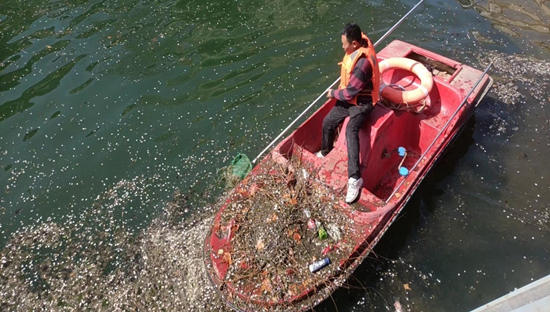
(348, 64)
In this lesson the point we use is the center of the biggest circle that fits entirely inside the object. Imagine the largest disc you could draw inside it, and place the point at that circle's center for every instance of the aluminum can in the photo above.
(317, 265)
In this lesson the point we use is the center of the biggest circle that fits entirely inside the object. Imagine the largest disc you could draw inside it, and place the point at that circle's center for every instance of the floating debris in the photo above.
(95, 262)
(279, 224)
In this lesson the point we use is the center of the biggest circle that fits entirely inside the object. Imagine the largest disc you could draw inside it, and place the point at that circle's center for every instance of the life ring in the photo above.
(405, 96)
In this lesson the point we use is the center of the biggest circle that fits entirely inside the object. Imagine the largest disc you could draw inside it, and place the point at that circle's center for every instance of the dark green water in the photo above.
(161, 94)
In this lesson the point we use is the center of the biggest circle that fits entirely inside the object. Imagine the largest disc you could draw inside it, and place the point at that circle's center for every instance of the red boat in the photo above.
(398, 147)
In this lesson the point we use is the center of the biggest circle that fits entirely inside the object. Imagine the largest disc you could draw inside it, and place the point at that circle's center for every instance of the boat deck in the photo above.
(385, 130)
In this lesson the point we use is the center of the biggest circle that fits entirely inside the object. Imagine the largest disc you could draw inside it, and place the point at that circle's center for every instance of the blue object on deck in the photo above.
(401, 151)
(403, 171)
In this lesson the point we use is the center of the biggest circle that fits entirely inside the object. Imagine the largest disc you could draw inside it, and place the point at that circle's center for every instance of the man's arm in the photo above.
(360, 77)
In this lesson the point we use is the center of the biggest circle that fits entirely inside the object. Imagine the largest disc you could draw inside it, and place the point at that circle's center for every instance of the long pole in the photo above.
(442, 130)
(397, 24)
(329, 87)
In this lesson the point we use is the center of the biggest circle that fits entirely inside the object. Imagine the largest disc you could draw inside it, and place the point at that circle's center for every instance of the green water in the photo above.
(165, 93)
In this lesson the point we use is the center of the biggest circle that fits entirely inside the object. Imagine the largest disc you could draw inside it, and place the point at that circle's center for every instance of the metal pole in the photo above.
(442, 130)
(329, 87)
(397, 24)
(292, 123)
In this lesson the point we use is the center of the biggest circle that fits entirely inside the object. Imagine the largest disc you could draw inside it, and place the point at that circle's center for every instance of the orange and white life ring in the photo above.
(405, 96)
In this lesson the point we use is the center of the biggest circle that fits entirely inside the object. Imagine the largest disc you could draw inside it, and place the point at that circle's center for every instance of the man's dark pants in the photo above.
(357, 114)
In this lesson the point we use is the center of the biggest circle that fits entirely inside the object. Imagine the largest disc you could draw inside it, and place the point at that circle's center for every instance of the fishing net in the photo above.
(238, 169)
(241, 166)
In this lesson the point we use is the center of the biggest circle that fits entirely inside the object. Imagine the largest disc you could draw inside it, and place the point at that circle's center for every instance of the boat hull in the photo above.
(424, 135)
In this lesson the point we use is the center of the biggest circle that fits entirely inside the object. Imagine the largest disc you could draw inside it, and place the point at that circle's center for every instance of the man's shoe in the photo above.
(320, 154)
(354, 189)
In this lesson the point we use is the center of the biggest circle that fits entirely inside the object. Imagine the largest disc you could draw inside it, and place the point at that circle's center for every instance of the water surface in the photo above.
(109, 107)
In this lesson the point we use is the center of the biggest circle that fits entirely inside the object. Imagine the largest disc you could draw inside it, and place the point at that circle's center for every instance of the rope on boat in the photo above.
(405, 106)
(413, 108)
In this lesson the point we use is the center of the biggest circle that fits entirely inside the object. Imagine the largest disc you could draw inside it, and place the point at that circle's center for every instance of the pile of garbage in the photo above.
(287, 234)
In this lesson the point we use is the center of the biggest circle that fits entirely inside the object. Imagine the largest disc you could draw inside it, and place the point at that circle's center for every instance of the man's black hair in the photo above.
(352, 32)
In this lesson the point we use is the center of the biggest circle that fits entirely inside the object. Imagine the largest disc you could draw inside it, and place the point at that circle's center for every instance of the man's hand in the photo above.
(329, 95)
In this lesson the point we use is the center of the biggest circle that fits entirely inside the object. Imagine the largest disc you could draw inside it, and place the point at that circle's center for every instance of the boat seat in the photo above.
(377, 119)
(441, 107)
(334, 170)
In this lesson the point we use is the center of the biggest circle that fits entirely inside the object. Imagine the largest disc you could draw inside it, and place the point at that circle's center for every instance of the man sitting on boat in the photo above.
(356, 97)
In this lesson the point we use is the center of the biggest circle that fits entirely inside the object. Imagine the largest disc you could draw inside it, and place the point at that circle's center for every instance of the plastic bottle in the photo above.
(317, 265)
(322, 233)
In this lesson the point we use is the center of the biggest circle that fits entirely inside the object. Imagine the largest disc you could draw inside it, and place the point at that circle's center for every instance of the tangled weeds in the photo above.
(94, 262)
(279, 221)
